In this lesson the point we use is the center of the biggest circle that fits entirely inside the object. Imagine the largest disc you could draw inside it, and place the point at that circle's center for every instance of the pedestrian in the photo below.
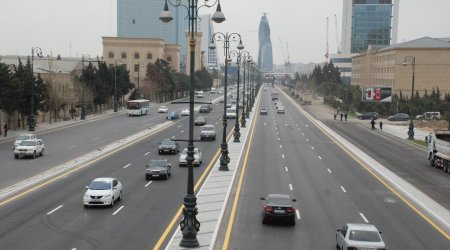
(345, 116)
(373, 124)
(5, 128)
(342, 116)
(335, 116)
(381, 125)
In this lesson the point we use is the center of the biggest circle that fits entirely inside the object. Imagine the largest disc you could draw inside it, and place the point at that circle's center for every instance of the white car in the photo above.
(163, 109)
(185, 112)
(281, 109)
(29, 148)
(23, 137)
(197, 157)
(231, 113)
(103, 192)
(359, 236)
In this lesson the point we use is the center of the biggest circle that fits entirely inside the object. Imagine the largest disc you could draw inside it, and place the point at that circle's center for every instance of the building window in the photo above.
(136, 67)
(124, 55)
(111, 54)
(136, 55)
(169, 59)
(149, 56)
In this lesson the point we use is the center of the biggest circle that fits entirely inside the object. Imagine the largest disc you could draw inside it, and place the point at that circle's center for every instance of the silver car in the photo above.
(208, 132)
(359, 236)
(197, 157)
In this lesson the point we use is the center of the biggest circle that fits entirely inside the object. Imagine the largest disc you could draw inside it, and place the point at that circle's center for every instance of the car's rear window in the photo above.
(361, 235)
(157, 163)
(168, 142)
(23, 137)
(28, 143)
(279, 201)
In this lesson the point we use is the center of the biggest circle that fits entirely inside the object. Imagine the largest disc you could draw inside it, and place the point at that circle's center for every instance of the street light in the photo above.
(247, 59)
(226, 39)
(83, 109)
(237, 133)
(190, 225)
(116, 104)
(412, 60)
(31, 115)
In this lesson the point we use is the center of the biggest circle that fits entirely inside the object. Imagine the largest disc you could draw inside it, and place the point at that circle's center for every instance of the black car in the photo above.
(158, 168)
(200, 121)
(399, 117)
(368, 116)
(278, 208)
(168, 146)
(205, 108)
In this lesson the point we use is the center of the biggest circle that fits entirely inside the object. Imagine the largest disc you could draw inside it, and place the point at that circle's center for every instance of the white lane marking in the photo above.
(290, 186)
(120, 208)
(306, 125)
(303, 133)
(299, 129)
(307, 140)
(298, 214)
(172, 137)
(127, 165)
(285, 124)
(182, 131)
(147, 153)
(70, 147)
(216, 122)
(343, 189)
(74, 249)
(329, 171)
(281, 146)
(265, 124)
(146, 185)
(287, 170)
(276, 127)
(54, 210)
(277, 132)
(312, 147)
(319, 157)
(364, 217)
(282, 156)
(179, 126)
(279, 139)
(296, 124)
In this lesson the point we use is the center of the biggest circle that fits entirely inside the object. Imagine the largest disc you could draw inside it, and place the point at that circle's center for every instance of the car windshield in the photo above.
(100, 185)
(28, 143)
(279, 201)
(23, 137)
(163, 107)
(208, 128)
(157, 163)
(168, 142)
(230, 110)
(362, 235)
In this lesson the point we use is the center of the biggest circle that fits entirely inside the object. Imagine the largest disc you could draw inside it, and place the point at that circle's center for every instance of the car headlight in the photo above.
(86, 196)
(107, 196)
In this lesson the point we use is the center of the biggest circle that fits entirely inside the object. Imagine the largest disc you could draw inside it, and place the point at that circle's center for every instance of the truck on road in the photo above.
(306, 98)
(439, 149)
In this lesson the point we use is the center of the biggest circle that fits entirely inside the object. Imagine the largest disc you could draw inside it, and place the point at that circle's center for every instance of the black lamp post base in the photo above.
(224, 159)
(243, 122)
(31, 123)
(411, 131)
(190, 225)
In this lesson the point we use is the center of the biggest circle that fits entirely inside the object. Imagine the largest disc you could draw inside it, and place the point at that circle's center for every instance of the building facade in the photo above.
(140, 19)
(392, 66)
(205, 26)
(265, 56)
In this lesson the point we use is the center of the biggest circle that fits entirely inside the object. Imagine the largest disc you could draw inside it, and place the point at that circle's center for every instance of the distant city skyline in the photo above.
(73, 28)
(265, 50)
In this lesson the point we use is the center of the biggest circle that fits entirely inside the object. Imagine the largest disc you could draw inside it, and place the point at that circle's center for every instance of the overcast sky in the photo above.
(75, 27)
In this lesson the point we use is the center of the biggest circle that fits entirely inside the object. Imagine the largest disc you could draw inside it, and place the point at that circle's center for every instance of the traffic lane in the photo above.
(379, 205)
(65, 144)
(133, 180)
(405, 160)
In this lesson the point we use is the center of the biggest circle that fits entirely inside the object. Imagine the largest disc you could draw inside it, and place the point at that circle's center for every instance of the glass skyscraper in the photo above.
(265, 57)
(140, 18)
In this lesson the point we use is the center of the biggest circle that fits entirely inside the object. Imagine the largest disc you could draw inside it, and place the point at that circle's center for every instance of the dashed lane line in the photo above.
(147, 153)
(329, 171)
(364, 217)
(343, 189)
(129, 164)
(286, 168)
(54, 210)
(320, 158)
(148, 183)
(298, 214)
(118, 210)
(290, 187)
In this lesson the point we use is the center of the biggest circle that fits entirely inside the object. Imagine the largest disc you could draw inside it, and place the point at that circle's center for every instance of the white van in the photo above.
(213, 90)
(200, 94)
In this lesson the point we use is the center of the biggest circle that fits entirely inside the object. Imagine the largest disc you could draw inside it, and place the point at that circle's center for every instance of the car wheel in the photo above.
(34, 154)
(42, 152)
(120, 196)
(112, 201)
(167, 176)
(446, 165)
(16, 156)
(86, 206)
(147, 177)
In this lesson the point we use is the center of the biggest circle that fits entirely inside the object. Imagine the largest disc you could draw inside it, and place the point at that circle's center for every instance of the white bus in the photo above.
(138, 107)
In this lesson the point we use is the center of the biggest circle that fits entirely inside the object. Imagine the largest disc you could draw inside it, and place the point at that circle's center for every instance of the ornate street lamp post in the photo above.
(31, 120)
(412, 60)
(83, 109)
(190, 225)
(226, 39)
(246, 60)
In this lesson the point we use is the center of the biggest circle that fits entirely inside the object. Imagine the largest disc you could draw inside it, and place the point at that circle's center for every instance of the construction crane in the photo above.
(327, 54)
(286, 60)
(338, 48)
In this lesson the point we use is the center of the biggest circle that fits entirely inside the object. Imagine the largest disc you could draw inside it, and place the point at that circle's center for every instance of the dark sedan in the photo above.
(399, 117)
(205, 108)
(368, 116)
(278, 207)
(158, 168)
(168, 146)
(200, 121)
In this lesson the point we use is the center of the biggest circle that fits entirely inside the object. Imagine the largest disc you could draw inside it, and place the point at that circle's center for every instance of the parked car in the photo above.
(359, 236)
(368, 116)
(163, 109)
(158, 168)
(200, 121)
(208, 132)
(200, 94)
(197, 157)
(263, 111)
(278, 208)
(167, 146)
(429, 116)
(31, 148)
(103, 192)
(205, 108)
(281, 109)
(23, 137)
(172, 116)
(185, 112)
(399, 117)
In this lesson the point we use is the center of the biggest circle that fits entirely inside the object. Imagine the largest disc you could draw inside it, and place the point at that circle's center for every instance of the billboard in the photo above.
(377, 94)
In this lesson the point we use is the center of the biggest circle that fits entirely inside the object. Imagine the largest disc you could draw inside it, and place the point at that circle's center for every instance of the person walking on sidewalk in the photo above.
(5, 128)
(342, 116)
(381, 125)
(373, 124)
(345, 116)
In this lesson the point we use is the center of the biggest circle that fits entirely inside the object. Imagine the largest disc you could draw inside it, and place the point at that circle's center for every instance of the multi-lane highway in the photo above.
(294, 157)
